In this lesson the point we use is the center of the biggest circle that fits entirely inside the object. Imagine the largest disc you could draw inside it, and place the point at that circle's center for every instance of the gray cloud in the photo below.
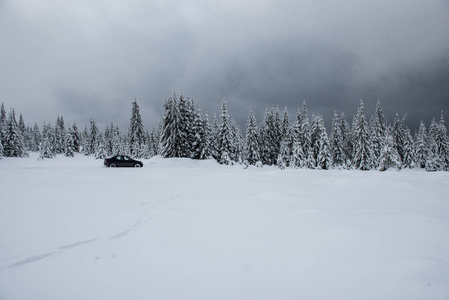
(91, 58)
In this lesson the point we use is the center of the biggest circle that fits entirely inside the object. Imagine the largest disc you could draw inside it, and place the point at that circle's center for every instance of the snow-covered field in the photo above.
(180, 229)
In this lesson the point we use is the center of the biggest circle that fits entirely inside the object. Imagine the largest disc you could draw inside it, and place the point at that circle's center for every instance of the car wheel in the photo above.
(137, 165)
(113, 165)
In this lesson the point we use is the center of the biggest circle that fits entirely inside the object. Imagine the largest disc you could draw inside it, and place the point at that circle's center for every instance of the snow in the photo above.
(71, 228)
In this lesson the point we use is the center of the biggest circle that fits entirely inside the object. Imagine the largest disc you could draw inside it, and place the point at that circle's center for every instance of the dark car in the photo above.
(122, 161)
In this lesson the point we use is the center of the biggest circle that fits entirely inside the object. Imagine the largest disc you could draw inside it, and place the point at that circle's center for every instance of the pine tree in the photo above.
(100, 152)
(215, 140)
(409, 150)
(315, 137)
(336, 141)
(320, 144)
(186, 119)
(264, 144)
(304, 137)
(93, 138)
(28, 139)
(59, 135)
(237, 142)
(37, 138)
(225, 138)
(362, 157)
(154, 140)
(252, 151)
(136, 132)
(200, 146)
(378, 128)
(46, 146)
(3, 121)
(389, 156)
(22, 131)
(1, 149)
(441, 145)
(347, 140)
(421, 149)
(13, 141)
(398, 135)
(288, 138)
(299, 158)
(69, 146)
(77, 140)
(172, 135)
(270, 137)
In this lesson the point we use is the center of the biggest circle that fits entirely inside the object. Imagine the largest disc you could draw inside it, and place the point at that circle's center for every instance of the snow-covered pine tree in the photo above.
(207, 150)
(200, 147)
(298, 159)
(123, 145)
(389, 156)
(46, 146)
(276, 135)
(93, 138)
(252, 152)
(186, 119)
(225, 136)
(280, 161)
(270, 136)
(59, 135)
(101, 152)
(421, 148)
(77, 140)
(398, 135)
(285, 153)
(285, 125)
(264, 148)
(37, 138)
(441, 145)
(237, 142)
(108, 139)
(288, 138)
(13, 146)
(314, 138)
(409, 150)
(363, 156)
(171, 137)
(347, 140)
(69, 150)
(115, 140)
(28, 139)
(22, 132)
(3, 120)
(215, 142)
(378, 128)
(336, 141)
(155, 136)
(320, 144)
(305, 136)
(136, 131)
(1, 149)
(310, 160)
(84, 140)
(22, 126)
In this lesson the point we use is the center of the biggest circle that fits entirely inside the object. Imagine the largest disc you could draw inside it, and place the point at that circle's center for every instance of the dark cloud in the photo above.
(92, 58)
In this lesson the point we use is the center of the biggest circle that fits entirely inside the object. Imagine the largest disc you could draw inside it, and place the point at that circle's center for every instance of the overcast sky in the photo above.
(90, 58)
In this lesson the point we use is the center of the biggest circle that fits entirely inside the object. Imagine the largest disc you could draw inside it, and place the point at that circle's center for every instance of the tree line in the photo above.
(185, 131)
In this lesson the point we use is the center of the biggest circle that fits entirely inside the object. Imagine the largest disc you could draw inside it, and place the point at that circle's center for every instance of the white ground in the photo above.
(182, 229)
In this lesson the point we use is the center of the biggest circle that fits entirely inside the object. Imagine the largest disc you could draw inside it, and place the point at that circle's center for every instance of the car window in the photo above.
(126, 158)
(119, 157)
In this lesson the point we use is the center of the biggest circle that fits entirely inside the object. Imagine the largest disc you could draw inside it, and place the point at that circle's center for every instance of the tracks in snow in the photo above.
(62, 249)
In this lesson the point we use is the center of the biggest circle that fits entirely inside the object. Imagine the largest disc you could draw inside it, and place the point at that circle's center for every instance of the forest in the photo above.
(185, 131)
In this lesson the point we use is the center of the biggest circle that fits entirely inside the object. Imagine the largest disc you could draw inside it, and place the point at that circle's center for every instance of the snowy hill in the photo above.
(182, 229)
